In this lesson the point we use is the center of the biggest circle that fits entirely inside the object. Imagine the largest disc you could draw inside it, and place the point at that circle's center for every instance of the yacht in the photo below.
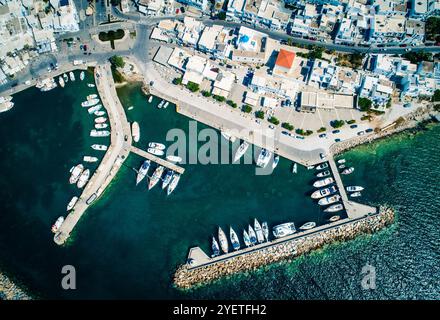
(66, 78)
(223, 240)
(265, 230)
(101, 125)
(156, 152)
(241, 151)
(334, 208)
(150, 99)
(348, 170)
(354, 188)
(75, 173)
(234, 239)
(323, 192)
(263, 158)
(6, 103)
(275, 161)
(155, 177)
(341, 161)
(72, 76)
(100, 120)
(92, 96)
(174, 158)
(215, 248)
(252, 235)
(61, 81)
(283, 230)
(155, 145)
(89, 103)
(173, 183)
(246, 239)
(99, 133)
(166, 105)
(90, 85)
(82, 75)
(90, 159)
(323, 174)
(329, 200)
(94, 109)
(308, 226)
(142, 172)
(295, 167)
(167, 179)
(135, 131)
(334, 218)
(322, 166)
(355, 194)
(160, 105)
(72, 203)
(99, 147)
(323, 182)
(258, 231)
(84, 177)
(99, 113)
(56, 226)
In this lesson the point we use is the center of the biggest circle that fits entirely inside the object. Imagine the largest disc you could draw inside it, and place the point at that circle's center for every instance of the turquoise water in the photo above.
(129, 243)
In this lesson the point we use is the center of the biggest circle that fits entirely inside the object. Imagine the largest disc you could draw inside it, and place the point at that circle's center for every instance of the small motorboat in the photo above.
(354, 188)
(334, 218)
(348, 170)
(100, 120)
(276, 159)
(329, 200)
(56, 226)
(90, 159)
(174, 158)
(90, 85)
(72, 76)
(322, 166)
(323, 182)
(156, 152)
(295, 167)
(81, 76)
(156, 145)
(341, 161)
(334, 208)
(135, 131)
(323, 174)
(356, 194)
(310, 167)
(72, 203)
(308, 225)
(150, 99)
(341, 166)
(99, 113)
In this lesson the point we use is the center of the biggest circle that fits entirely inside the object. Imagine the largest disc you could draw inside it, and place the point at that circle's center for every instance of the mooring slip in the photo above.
(116, 154)
(158, 160)
(187, 275)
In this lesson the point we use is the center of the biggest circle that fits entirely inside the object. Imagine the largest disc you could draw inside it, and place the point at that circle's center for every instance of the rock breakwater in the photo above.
(10, 291)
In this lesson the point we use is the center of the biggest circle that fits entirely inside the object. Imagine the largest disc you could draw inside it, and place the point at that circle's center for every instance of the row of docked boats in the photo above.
(263, 159)
(162, 104)
(62, 80)
(354, 191)
(79, 175)
(158, 149)
(169, 180)
(6, 103)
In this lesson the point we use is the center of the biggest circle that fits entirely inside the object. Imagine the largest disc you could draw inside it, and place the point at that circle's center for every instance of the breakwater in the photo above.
(185, 277)
(10, 291)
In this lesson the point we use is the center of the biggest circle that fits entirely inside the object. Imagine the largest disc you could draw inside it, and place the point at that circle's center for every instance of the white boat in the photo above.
(99, 133)
(85, 175)
(252, 235)
(323, 174)
(155, 151)
(223, 240)
(173, 183)
(174, 158)
(308, 226)
(72, 76)
(167, 179)
(246, 239)
(310, 167)
(166, 105)
(130, 108)
(94, 109)
(215, 248)
(160, 105)
(156, 145)
(234, 239)
(89, 103)
(6, 103)
(66, 78)
(99, 113)
(263, 158)
(90, 159)
(72, 203)
(329, 200)
(56, 226)
(135, 131)
(275, 161)
(75, 173)
(101, 125)
(265, 230)
(341, 166)
(61, 81)
(323, 182)
(322, 166)
(150, 99)
(355, 194)
(46, 84)
(155, 177)
(82, 75)
(241, 151)
(100, 120)
(90, 85)
(334, 218)
(92, 96)
(283, 230)
(354, 188)
(228, 137)
(142, 172)
(295, 167)
(341, 161)
(323, 192)
(334, 208)
(258, 231)
(348, 170)
(99, 147)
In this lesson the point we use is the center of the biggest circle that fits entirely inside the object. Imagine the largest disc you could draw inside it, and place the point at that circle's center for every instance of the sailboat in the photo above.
(246, 239)
(258, 231)
(215, 248)
(252, 236)
(241, 151)
(265, 230)
(223, 240)
(234, 239)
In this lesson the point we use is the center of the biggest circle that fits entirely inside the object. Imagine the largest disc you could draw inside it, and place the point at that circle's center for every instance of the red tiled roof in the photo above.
(285, 59)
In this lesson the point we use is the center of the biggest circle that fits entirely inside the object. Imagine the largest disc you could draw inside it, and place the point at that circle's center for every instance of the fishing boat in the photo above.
(354, 188)
(265, 230)
(99, 113)
(90, 85)
(258, 231)
(334, 218)
(92, 96)
(94, 109)
(283, 230)
(61, 81)
(334, 208)
(263, 158)
(348, 170)
(56, 226)
(90, 159)
(215, 248)
(166, 105)
(99, 133)
(160, 105)
(295, 167)
(66, 78)
(329, 200)
(173, 183)
(135, 131)
(99, 147)
(174, 158)
(355, 194)
(155, 177)
(275, 161)
(341, 161)
(323, 192)
(223, 240)
(150, 99)
(71, 76)
(72, 203)
(167, 179)
(323, 174)
(82, 75)
(156, 145)
(252, 235)
(89, 103)
(101, 125)
(246, 239)
(323, 182)
(241, 151)
(322, 166)
(75, 173)
(234, 239)
(142, 172)
(83, 179)
(308, 225)
(156, 152)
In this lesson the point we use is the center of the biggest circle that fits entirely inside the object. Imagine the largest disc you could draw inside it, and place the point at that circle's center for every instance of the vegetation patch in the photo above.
(337, 123)
(287, 126)
(259, 114)
(274, 120)
(193, 87)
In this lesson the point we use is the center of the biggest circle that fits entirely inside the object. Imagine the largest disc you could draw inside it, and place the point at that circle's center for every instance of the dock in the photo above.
(160, 161)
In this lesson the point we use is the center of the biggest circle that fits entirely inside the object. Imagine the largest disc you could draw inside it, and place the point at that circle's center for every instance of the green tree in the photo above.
(221, 15)
(274, 120)
(337, 123)
(231, 103)
(322, 129)
(247, 109)
(193, 87)
(351, 121)
(364, 104)
(177, 81)
(287, 126)
(117, 61)
(432, 28)
(436, 96)
(206, 93)
(219, 98)
(259, 114)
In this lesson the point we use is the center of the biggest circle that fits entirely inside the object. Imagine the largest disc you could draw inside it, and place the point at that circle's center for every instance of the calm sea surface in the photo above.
(130, 242)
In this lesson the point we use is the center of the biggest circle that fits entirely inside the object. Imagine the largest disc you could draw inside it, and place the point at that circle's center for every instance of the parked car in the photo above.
(323, 135)
(361, 133)
(337, 140)
(271, 126)
(336, 131)
(299, 137)
(354, 126)
(285, 133)
(369, 130)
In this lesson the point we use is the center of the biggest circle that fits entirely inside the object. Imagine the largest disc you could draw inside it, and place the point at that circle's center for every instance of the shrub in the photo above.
(364, 104)
(117, 61)
(219, 98)
(322, 129)
(193, 87)
(287, 126)
(351, 121)
(299, 131)
(274, 120)
(177, 81)
(259, 114)
(206, 93)
(247, 109)
(232, 103)
(337, 123)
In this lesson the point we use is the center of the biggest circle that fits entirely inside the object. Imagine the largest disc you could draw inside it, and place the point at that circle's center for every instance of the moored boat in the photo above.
(56, 226)
(308, 225)
(323, 182)
(155, 177)
(90, 85)
(310, 167)
(294, 167)
(166, 105)
(174, 158)
(334, 218)
(323, 192)
(354, 188)
(263, 158)
(72, 203)
(228, 136)
(156, 152)
(246, 239)
(92, 96)
(223, 240)
(275, 161)
(61, 81)
(99, 113)
(258, 231)
(322, 166)
(341, 166)
(135, 131)
(173, 183)
(89, 103)
(234, 239)
(72, 76)
(329, 200)
(76, 173)
(215, 248)
(90, 159)
(142, 172)
(83, 179)
(156, 145)
(101, 125)
(99, 133)
(66, 78)
(348, 170)
(355, 194)
(323, 174)
(341, 161)
(94, 108)
(265, 230)
(334, 208)
(252, 235)
(150, 99)
(81, 76)
(283, 230)
(160, 105)
(99, 147)
(100, 120)
(167, 179)
(241, 151)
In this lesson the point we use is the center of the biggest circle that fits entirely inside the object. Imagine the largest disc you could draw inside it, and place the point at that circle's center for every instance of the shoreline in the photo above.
(10, 290)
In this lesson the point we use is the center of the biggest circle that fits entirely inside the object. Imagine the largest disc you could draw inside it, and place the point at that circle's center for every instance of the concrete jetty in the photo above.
(158, 160)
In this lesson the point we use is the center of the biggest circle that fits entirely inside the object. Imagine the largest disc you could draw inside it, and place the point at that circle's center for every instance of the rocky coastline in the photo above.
(185, 278)
(11, 291)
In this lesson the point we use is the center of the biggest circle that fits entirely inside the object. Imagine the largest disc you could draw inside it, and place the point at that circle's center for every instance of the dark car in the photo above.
(285, 133)
(369, 130)
(338, 140)
(353, 126)
(182, 9)
(336, 131)
(323, 135)
(85, 47)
